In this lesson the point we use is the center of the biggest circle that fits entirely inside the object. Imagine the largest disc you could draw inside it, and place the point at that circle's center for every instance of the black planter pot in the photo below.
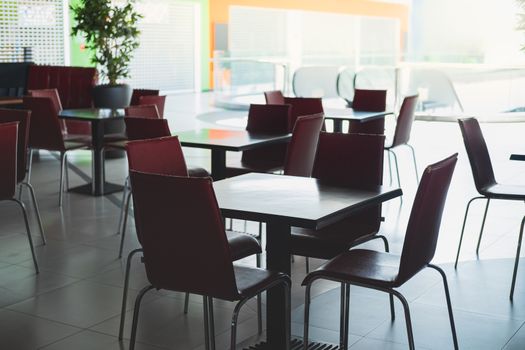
(113, 96)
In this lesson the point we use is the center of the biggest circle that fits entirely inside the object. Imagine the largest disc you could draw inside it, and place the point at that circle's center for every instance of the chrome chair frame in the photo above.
(345, 306)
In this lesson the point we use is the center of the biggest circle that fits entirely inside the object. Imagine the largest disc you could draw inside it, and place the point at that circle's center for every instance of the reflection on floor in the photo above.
(75, 301)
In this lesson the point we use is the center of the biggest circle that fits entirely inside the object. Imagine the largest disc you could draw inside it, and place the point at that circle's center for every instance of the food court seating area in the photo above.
(75, 301)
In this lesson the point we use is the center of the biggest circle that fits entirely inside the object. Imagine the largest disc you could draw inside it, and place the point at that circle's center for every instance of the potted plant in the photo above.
(111, 34)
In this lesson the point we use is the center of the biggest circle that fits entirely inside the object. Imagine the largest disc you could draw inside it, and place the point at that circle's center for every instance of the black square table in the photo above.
(360, 121)
(282, 202)
(98, 118)
(219, 141)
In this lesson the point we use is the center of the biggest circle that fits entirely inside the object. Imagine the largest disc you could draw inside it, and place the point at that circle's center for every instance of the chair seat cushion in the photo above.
(198, 172)
(251, 280)
(500, 191)
(242, 245)
(361, 266)
(332, 240)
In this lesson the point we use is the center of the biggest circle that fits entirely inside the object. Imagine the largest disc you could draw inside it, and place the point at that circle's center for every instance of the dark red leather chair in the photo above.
(8, 174)
(159, 101)
(144, 129)
(404, 123)
(138, 93)
(274, 97)
(53, 95)
(170, 161)
(74, 86)
(22, 117)
(486, 185)
(45, 134)
(369, 100)
(302, 149)
(264, 119)
(349, 160)
(303, 106)
(386, 272)
(143, 111)
(189, 203)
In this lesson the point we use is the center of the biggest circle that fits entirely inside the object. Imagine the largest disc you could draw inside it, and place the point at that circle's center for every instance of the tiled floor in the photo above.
(74, 303)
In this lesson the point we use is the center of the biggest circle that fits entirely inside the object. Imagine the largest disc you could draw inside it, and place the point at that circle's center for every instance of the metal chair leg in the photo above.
(397, 169)
(30, 165)
(125, 293)
(414, 159)
(307, 264)
(259, 296)
(62, 169)
(28, 171)
(482, 226)
(517, 261)
(211, 321)
(122, 204)
(390, 296)
(449, 304)
(136, 316)
(390, 168)
(28, 231)
(235, 316)
(463, 229)
(37, 211)
(346, 317)
(407, 319)
(306, 315)
(66, 172)
(206, 323)
(124, 223)
(186, 303)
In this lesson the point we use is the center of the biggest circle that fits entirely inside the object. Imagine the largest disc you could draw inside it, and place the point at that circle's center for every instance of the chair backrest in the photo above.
(303, 106)
(274, 97)
(146, 128)
(425, 218)
(354, 161)
(405, 119)
(478, 154)
(157, 156)
(369, 100)
(53, 95)
(8, 159)
(159, 101)
(49, 93)
(182, 235)
(350, 160)
(44, 131)
(303, 145)
(272, 120)
(23, 119)
(138, 93)
(142, 111)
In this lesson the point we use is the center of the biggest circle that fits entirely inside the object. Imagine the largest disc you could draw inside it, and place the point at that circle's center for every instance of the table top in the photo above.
(228, 140)
(91, 114)
(297, 201)
(10, 100)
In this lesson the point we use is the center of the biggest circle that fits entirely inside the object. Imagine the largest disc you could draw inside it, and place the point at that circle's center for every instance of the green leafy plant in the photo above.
(111, 33)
